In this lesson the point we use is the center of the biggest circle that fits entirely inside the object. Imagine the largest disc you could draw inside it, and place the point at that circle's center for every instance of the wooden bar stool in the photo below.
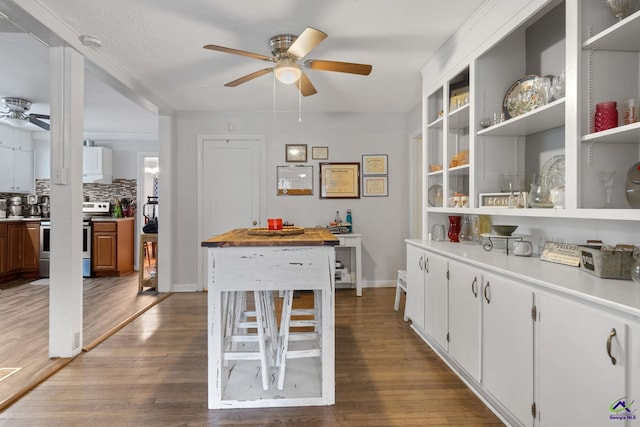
(298, 318)
(401, 286)
(150, 239)
(250, 334)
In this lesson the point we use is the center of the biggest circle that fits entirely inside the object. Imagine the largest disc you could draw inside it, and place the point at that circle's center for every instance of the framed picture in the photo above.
(320, 153)
(296, 153)
(339, 180)
(295, 180)
(494, 200)
(374, 164)
(375, 186)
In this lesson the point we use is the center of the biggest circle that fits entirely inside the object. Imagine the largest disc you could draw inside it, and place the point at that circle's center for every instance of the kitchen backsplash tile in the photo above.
(118, 188)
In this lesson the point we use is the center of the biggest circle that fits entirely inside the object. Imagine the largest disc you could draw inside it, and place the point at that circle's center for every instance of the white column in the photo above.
(67, 117)
(165, 174)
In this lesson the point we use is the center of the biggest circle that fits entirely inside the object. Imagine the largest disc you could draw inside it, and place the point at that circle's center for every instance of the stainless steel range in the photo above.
(89, 209)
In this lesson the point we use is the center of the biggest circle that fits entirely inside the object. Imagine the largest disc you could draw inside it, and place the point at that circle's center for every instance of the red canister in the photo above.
(606, 116)
(274, 223)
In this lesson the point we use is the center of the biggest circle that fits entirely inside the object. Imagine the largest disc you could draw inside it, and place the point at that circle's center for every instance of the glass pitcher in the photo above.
(538, 196)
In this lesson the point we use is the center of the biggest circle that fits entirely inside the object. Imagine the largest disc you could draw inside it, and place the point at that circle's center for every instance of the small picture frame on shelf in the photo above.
(375, 186)
(296, 153)
(494, 200)
(320, 153)
(375, 164)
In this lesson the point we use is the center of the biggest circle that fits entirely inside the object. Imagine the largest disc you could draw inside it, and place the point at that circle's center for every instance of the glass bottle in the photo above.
(465, 230)
(337, 219)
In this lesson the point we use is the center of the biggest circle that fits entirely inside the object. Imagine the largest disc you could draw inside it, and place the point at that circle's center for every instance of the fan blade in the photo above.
(39, 116)
(305, 86)
(340, 67)
(306, 42)
(248, 77)
(38, 122)
(239, 52)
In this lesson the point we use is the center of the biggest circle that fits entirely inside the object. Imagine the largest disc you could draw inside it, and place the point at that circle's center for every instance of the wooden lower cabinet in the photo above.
(3, 249)
(19, 250)
(112, 247)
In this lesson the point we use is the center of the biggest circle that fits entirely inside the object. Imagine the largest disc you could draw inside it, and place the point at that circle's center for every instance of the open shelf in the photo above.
(628, 134)
(544, 118)
(623, 36)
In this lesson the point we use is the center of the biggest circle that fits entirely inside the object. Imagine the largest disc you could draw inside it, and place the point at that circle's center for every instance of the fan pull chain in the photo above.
(274, 95)
(299, 101)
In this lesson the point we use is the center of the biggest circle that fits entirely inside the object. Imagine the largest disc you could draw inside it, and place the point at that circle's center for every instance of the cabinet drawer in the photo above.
(105, 226)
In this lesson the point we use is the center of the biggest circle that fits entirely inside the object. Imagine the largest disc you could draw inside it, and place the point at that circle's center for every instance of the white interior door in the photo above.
(230, 186)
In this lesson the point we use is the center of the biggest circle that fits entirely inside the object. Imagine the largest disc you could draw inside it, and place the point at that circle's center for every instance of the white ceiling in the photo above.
(159, 43)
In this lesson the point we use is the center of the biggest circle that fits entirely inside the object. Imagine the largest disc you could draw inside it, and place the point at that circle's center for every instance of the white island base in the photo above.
(309, 381)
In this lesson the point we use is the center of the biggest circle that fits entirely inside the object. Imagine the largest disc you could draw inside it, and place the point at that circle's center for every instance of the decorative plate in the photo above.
(512, 105)
(433, 193)
(552, 173)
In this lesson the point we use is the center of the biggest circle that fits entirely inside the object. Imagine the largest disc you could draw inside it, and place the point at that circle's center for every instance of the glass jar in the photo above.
(464, 236)
(606, 116)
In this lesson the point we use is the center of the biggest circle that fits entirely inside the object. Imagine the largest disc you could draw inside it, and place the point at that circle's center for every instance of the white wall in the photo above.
(383, 221)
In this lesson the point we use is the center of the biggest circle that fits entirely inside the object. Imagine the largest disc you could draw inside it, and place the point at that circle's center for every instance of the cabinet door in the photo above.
(104, 252)
(435, 298)
(3, 248)
(91, 160)
(578, 382)
(6, 169)
(31, 247)
(415, 286)
(465, 286)
(507, 348)
(14, 247)
(24, 181)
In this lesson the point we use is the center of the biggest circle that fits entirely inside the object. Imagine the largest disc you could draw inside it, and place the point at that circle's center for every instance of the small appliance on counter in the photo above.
(3, 208)
(34, 210)
(15, 207)
(45, 206)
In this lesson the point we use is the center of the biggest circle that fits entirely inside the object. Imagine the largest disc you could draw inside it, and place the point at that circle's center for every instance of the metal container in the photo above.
(607, 264)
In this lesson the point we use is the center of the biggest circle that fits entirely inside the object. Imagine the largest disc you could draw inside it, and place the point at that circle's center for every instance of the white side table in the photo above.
(354, 242)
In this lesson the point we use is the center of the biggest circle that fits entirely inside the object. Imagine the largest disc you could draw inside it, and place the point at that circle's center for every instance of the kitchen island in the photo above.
(239, 261)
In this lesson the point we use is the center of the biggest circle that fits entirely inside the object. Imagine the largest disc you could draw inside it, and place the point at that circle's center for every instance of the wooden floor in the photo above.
(24, 325)
(153, 372)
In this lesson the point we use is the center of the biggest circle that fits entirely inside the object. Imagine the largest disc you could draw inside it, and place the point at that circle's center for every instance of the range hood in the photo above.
(96, 165)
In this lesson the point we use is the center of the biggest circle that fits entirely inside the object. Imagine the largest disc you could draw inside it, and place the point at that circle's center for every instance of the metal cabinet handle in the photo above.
(420, 263)
(611, 335)
(486, 295)
(426, 265)
(474, 287)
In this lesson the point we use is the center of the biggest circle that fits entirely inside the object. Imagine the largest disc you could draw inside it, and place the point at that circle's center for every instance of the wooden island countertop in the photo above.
(240, 237)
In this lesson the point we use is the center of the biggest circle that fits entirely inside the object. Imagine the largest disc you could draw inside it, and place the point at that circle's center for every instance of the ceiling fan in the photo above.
(288, 51)
(18, 115)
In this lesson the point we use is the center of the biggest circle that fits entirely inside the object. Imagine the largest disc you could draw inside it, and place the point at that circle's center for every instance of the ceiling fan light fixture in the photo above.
(15, 122)
(287, 71)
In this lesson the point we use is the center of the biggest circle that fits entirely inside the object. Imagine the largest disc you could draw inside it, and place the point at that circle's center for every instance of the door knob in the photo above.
(255, 222)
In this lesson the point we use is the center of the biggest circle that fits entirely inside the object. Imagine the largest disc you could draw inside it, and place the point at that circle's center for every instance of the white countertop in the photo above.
(620, 296)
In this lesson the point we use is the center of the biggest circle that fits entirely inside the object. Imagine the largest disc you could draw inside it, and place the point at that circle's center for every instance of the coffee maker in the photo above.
(34, 208)
(45, 206)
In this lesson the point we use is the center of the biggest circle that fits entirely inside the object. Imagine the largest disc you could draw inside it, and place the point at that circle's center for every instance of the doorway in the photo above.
(148, 182)
(230, 187)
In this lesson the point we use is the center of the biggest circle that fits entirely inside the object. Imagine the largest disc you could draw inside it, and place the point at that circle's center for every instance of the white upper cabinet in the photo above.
(97, 165)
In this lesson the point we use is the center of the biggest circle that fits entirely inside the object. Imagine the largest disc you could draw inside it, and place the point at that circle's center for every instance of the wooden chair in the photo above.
(298, 318)
(401, 286)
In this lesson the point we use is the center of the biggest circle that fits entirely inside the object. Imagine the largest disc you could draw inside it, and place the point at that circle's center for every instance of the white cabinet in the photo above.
(583, 362)
(16, 171)
(427, 293)
(97, 165)
(507, 344)
(415, 286)
(465, 286)
(435, 298)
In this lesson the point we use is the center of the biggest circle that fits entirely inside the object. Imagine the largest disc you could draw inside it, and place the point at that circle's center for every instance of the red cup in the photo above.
(275, 223)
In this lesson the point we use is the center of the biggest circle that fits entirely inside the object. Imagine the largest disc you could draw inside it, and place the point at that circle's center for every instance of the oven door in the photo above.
(45, 247)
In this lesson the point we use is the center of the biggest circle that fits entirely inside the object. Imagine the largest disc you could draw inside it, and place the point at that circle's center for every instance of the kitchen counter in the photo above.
(241, 237)
(110, 219)
(25, 219)
(618, 296)
(238, 261)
